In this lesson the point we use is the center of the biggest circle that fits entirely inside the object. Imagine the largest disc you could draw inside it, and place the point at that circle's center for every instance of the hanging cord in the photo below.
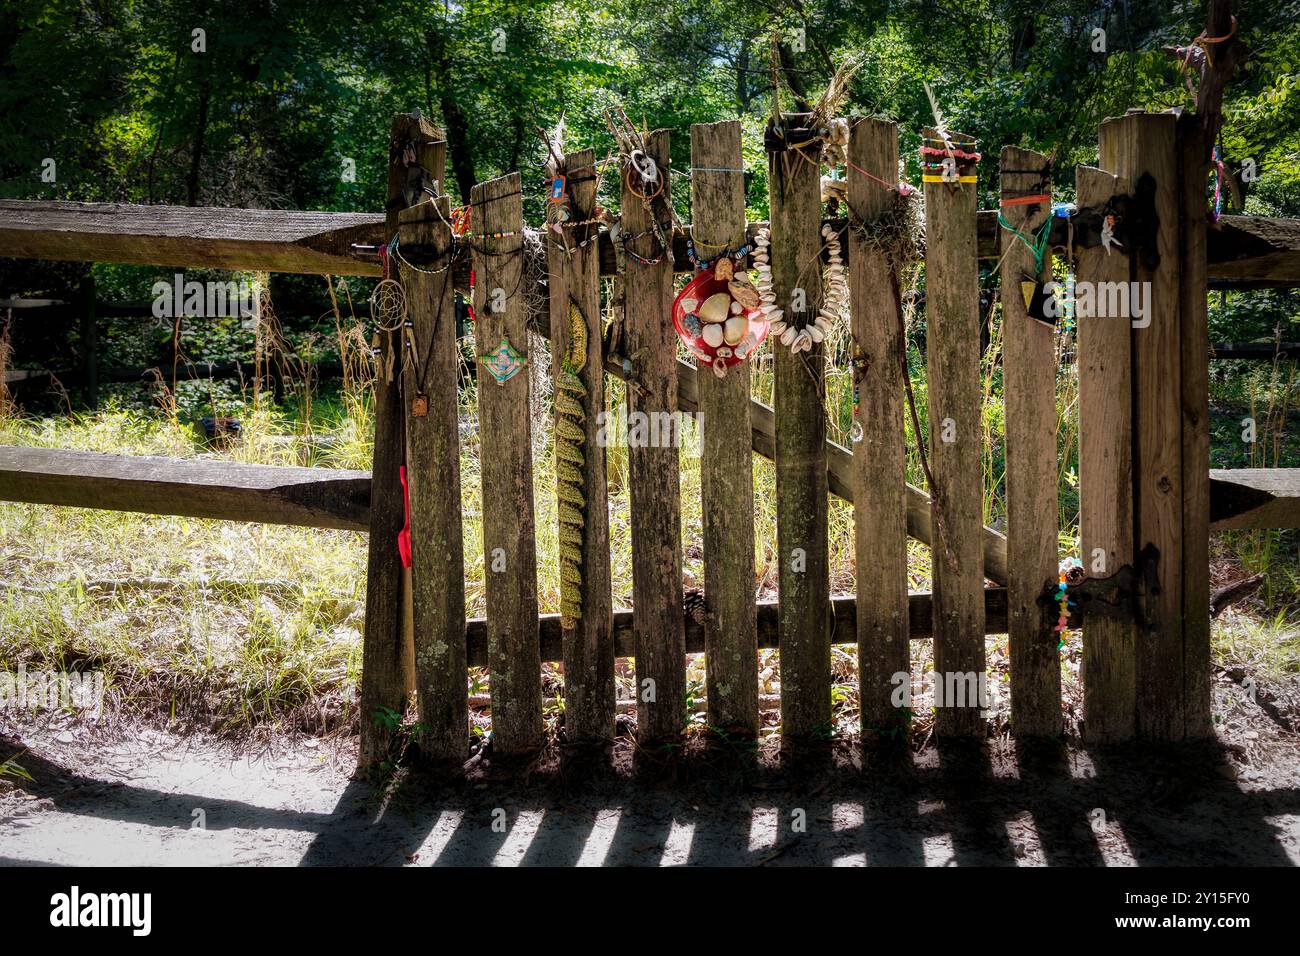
(421, 366)
(902, 188)
(1038, 248)
(1218, 184)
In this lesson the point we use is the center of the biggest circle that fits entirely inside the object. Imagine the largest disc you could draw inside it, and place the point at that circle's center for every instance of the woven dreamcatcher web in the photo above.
(388, 305)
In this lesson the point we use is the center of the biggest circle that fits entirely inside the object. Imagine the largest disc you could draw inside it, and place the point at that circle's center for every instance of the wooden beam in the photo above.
(1255, 351)
(726, 458)
(1029, 382)
(268, 240)
(880, 457)
(1243, 252)
(1194, 346)
(799, 396)
(953, 363)
(574, 281)
(1106, 482)
(843, 614)
(1254, 498)
(431, 386)
(1253, 252)
(225, 490)
(388, 652)
(506, 469)
(1134, 146)
(654, 478)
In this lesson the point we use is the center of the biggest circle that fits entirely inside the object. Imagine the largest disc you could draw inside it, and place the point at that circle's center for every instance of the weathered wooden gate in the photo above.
(1144, 449)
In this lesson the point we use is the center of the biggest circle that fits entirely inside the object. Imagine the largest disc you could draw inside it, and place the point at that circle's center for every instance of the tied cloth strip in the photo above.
(569, 460)
(1038, 248)
(404, 536)
(1062, 599)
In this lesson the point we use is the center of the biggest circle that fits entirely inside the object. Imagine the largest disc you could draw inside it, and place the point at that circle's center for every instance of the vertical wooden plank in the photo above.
(1029, 382)
(505, 430)
(726, 458)
(388, 672)
(953, 362)
(1105, 478)
(794, 186)
(1195, 347)
(574, 281)
(879, 458)
(1134, 146)
(653, 474)
(89, 343)
(430, 382)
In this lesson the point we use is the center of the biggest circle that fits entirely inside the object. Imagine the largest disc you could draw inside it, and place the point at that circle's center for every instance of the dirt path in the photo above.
(138, 799)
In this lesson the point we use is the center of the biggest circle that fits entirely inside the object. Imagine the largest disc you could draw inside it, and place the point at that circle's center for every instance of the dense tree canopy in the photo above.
(267, 104)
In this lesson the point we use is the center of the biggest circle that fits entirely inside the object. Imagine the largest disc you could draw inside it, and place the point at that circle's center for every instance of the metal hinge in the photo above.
(1128, 594)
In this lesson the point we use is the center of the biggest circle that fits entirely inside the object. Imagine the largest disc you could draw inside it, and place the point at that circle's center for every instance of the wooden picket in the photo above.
(389, 651)
(1134, 146)
(1105, 478)
(879, 457)
(430, 383)
(794, 188)
(654, 472)
(573, 281)
(1029, 376)
(726, 459)
(506, 464)
(952, 354)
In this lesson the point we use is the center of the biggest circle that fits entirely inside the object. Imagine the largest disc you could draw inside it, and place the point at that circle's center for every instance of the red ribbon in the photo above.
(404, 536)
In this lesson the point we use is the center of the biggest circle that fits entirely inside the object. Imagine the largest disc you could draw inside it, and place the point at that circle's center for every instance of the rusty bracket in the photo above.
(1128, 594)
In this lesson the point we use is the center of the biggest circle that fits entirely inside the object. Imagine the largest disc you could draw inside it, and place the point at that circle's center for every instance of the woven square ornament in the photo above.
(504, 361)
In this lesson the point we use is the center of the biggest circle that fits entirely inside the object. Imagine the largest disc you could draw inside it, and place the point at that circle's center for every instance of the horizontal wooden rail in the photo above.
(264, 240)
(1254, 498)
(192, 371)
(1256, 351)
(1242, 251)
(338, 498)
(838, 468)
(204, 488)
(920, 619)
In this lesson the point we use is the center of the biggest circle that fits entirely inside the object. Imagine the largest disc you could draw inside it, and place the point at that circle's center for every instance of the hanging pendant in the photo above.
(504, 361)
(420, 406)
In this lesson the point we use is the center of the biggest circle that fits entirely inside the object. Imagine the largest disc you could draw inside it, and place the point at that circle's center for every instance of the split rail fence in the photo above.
(1148, 498)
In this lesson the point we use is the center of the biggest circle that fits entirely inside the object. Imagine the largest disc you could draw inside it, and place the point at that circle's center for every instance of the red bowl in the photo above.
(700, 288)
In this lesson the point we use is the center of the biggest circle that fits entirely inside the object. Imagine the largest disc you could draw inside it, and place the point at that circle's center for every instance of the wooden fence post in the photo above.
(505, 429)
(952, 322)
(574, 281)
(1195, 332)
(430, 383)
(89, 343)
(794, 187)
(1105, 477)
(388, 652)
(879, 458)
(654, 477)
(726, 458)
(1143, 148)
(1029, 383)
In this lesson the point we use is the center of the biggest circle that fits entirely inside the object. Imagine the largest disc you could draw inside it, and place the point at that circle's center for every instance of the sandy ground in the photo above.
(140, 796)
